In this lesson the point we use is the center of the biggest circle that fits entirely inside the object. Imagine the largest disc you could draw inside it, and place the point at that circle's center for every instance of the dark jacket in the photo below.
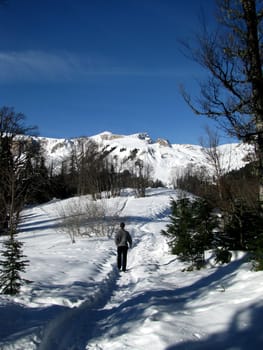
(122, 238)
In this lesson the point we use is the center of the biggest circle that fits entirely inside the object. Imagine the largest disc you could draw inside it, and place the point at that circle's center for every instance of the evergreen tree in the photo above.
(190, 232)
(11, 266)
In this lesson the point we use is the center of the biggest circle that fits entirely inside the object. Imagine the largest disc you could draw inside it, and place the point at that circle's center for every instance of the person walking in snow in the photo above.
(123, 241)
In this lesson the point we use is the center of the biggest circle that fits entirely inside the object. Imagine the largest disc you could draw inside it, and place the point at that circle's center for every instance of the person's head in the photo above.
(122, 224)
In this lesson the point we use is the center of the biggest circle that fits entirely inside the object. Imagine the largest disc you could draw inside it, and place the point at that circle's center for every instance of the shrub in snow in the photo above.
(223, 256)
(85, 217)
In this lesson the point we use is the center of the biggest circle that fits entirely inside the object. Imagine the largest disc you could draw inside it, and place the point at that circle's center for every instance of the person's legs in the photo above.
(119, 256)
(124, 258)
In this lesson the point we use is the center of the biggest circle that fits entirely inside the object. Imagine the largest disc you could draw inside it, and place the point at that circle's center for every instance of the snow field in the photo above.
(78, 300)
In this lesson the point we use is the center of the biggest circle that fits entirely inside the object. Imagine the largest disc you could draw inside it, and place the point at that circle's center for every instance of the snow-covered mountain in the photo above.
(166, 161)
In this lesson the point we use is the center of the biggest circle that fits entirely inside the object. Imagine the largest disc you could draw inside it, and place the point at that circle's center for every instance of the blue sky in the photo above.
(80, 67)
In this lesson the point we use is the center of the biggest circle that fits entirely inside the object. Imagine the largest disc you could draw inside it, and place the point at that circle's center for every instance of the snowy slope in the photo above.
(78, 300)
(166, 161)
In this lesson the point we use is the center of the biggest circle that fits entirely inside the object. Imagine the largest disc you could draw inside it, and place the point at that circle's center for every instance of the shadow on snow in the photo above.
(121, 319)
(235, 337)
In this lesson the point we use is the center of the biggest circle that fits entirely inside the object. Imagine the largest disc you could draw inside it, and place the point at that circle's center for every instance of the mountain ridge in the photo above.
(166, 161)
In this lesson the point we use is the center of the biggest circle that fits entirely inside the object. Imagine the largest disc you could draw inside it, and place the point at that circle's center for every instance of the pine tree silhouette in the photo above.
(11, 266)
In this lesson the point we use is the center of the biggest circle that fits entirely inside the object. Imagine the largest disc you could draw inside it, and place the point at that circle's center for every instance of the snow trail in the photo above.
(130, 300)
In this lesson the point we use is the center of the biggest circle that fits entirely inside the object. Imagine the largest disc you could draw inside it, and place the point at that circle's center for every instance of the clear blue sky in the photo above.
(80, 67)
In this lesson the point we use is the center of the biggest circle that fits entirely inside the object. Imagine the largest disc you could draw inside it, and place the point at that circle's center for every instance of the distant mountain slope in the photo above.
(166, 161)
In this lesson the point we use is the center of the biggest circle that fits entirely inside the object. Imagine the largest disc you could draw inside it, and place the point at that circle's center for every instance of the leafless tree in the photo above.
(214, 157)
(15, 166)
(142, 177)
(233, 93)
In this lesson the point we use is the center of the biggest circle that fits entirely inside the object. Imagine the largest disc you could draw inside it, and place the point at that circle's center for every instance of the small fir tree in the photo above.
(190, 232)
(11, 266)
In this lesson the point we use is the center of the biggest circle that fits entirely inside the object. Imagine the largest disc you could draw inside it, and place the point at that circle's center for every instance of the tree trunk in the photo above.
(256, 79)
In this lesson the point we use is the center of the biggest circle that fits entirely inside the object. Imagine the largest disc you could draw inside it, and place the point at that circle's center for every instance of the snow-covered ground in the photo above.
(78, 300)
